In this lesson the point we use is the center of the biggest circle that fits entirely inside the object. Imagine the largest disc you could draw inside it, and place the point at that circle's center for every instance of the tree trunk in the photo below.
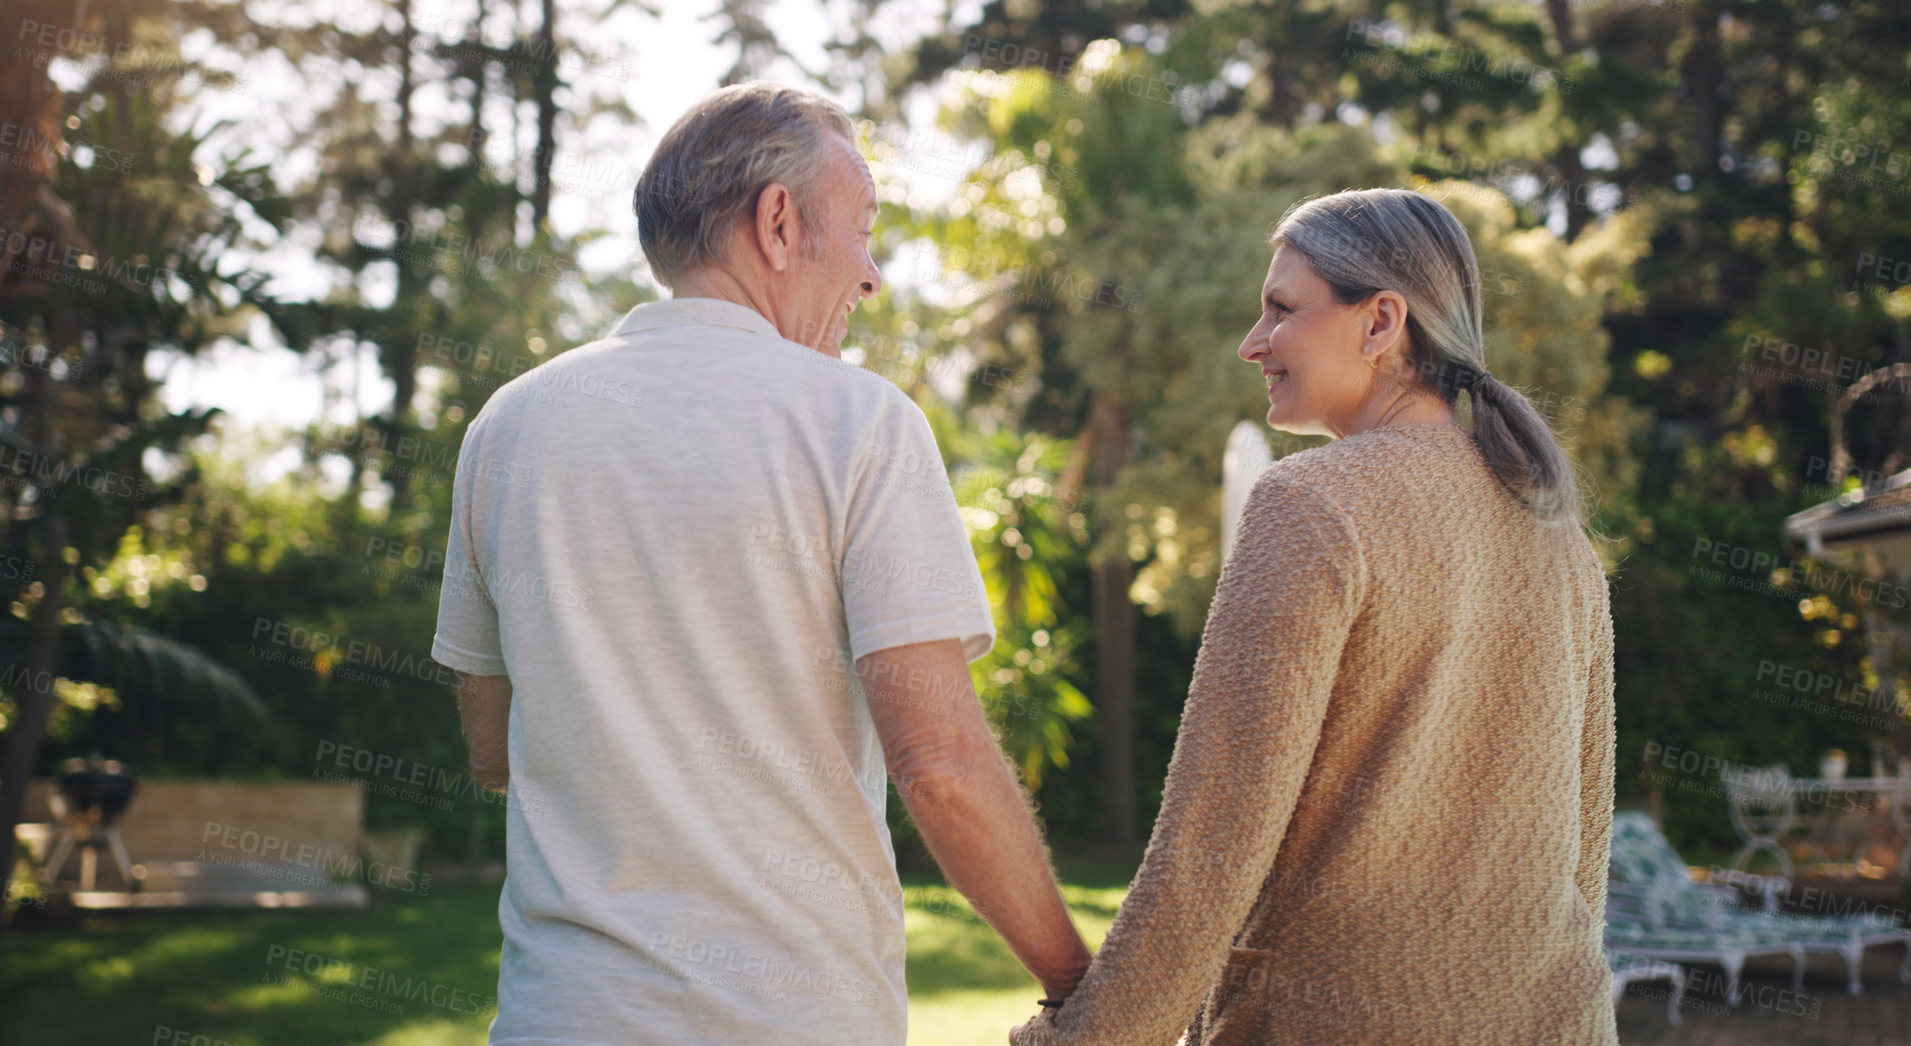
(35, 699)
(1702, 78)
(1573, 173)
(405, 37)
(1111, 574)
(1566, 36)
(546, 87)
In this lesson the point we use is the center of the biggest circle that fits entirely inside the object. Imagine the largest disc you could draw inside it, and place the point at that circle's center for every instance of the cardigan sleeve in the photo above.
(1596, 759)
(1287, 599)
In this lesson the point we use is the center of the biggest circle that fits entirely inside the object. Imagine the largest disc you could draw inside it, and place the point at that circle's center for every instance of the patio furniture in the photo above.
(1645, 929)
(1627, 968)
(1656, 910)
(1763, 808)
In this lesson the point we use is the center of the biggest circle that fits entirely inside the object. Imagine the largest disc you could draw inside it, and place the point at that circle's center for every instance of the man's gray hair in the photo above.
(717, 159)
(1364, 241)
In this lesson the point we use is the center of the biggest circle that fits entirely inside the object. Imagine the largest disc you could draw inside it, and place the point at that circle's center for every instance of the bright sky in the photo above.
(672, 62)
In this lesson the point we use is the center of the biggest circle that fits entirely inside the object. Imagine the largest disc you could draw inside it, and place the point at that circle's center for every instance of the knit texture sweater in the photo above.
(1389, 810)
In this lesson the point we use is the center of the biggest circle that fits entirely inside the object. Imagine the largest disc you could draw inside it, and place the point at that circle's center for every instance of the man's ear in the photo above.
(777, 226)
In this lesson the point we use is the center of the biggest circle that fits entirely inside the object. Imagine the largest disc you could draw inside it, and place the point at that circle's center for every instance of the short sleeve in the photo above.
(467, 638)
(908, 574)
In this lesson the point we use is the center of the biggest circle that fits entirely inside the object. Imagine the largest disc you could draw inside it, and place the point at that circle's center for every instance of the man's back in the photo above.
(688, 531)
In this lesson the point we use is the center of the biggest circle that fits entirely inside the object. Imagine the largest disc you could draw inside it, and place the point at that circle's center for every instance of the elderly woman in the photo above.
(1389, 809)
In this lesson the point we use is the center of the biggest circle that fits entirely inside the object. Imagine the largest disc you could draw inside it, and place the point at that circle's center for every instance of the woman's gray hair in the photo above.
(1364, 241)
(717, 159)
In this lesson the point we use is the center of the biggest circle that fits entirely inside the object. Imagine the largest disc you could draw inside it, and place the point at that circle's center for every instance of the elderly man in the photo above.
(703, 582)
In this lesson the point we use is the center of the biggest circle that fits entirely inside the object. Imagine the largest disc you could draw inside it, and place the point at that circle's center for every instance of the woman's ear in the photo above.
(1386, 323)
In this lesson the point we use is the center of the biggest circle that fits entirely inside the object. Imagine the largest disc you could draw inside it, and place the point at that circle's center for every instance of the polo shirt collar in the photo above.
(693, 312)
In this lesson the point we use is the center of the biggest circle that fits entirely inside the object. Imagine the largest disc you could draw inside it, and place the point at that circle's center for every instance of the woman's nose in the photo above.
(1254, 346)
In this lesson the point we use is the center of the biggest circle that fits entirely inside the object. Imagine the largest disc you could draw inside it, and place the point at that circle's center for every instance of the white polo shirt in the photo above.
(675, 541)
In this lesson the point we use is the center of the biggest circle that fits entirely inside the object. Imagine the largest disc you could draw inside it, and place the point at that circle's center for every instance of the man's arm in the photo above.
(484, 704)
(959, 790)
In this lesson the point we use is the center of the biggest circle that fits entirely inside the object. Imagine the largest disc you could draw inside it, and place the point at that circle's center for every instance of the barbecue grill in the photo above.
(88, 796)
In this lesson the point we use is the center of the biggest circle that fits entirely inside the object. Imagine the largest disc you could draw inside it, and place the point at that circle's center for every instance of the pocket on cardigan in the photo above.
(1237, 1009)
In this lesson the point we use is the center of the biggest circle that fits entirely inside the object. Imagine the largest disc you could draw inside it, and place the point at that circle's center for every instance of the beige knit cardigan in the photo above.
(1389, 809)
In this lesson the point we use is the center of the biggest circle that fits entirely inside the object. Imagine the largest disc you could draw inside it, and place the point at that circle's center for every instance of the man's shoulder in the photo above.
(832, 371)
(853, 392)
(850, 391)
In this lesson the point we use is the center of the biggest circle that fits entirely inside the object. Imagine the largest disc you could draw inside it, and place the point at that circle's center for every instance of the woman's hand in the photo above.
(1035, 1030)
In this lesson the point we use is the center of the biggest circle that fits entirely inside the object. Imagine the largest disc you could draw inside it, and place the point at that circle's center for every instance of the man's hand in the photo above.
(965, 800)
(484, 704)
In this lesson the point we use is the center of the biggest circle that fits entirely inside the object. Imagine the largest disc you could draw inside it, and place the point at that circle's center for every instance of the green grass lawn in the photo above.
(122, 978)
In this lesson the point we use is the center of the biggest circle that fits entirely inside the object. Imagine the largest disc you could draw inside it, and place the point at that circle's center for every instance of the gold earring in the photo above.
(1373, 363)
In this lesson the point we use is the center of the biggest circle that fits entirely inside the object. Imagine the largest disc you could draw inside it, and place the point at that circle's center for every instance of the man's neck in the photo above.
(723, 286)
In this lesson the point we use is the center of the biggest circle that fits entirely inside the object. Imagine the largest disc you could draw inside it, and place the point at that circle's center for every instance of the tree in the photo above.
(124, 259)
(1117, 250)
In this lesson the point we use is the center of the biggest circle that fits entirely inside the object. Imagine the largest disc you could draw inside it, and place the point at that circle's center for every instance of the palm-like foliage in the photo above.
(1025, 535)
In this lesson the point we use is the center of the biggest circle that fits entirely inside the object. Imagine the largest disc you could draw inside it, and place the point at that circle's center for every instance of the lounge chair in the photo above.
(1656, 910)
(1627, 968)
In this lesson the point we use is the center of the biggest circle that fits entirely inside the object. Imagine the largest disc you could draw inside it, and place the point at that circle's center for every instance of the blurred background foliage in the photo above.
(1656, 190)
